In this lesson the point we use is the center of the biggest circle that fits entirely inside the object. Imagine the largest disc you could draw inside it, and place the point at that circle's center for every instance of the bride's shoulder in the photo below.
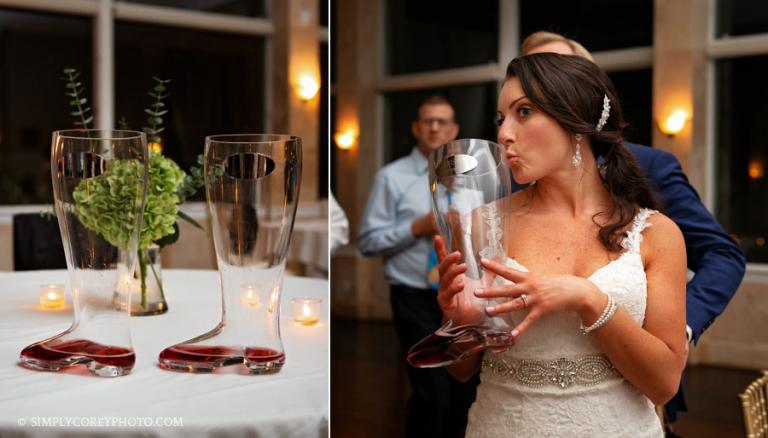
(662, 235)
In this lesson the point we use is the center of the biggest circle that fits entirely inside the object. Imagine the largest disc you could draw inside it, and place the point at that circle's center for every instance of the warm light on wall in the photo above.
(344, 140)
(307, 88)
(674, 123)
(755, 169)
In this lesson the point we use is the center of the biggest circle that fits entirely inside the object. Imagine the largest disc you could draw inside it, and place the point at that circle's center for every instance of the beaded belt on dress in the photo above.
(562, 372)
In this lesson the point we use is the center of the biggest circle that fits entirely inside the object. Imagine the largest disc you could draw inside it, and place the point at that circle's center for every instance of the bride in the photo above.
(594, 283)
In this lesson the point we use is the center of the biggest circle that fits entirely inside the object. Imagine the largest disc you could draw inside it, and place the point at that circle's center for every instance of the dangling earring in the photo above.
(576, 159)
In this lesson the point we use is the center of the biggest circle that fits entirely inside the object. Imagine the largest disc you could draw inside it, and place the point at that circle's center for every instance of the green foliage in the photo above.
(123, 124)
(107, 203)
(161, 208)
(105, 196)
(78, 102)
(194, 180)
(155, 111)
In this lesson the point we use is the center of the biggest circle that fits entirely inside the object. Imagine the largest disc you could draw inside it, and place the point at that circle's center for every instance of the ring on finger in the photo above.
(524, 297)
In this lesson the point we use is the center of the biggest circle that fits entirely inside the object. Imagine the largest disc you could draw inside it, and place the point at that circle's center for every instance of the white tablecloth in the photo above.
(293, 402)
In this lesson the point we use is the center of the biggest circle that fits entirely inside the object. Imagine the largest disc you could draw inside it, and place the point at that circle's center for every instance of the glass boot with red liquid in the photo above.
(252, 187)
(99, 185)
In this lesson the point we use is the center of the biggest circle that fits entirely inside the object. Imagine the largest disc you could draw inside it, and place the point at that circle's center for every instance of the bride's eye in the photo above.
(525, 111)
(499, 120)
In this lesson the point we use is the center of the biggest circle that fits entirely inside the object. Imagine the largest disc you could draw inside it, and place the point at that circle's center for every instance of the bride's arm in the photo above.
(651, 357)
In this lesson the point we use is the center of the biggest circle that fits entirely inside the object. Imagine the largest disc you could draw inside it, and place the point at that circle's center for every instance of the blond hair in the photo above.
(540, 38)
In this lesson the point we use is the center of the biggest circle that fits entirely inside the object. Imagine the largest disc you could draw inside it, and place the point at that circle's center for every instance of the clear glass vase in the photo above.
(252, 188)
(99, 187)
(145, 286)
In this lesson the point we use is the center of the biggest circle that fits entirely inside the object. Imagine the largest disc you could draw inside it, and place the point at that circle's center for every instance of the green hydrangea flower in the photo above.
(165, 177)
(105, 203)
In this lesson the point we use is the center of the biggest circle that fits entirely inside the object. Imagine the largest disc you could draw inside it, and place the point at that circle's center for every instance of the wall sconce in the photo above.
(307, 88)
(344, 140)
(674, 123)
(755, 169)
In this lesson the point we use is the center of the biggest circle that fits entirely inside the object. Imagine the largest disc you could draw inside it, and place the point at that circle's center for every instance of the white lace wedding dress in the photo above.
(555, 382)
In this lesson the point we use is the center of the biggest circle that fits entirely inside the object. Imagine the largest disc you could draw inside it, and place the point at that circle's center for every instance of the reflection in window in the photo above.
(248, 8)
(742, 153)
(635, 92)
(35, 48)
(217, 84)
(475, 107)
(597, 24)
(741, 17)
(436, 34)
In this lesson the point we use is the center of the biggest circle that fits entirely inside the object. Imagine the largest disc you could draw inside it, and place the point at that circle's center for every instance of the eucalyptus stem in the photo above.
(75, 91)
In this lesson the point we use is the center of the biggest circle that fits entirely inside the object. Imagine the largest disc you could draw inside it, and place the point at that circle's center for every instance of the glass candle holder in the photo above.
(306, 311)
(52, 296)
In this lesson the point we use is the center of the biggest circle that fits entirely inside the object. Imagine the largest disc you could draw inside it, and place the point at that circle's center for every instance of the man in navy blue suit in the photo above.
(717, 262)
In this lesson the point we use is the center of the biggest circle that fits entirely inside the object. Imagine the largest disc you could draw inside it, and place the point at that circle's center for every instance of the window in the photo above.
(741, 17)
(597, 24)
(248, 8)
(635, 90)
(432, 34)
(34, 49)
(742, 152)
(217, 84)
(475, 107)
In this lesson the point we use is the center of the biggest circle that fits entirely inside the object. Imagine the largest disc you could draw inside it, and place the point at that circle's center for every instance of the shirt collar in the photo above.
(419, 161)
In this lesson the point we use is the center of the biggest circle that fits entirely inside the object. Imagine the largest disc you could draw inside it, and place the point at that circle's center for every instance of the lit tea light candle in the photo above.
(306, 311)
(250, 296)
(52, 296)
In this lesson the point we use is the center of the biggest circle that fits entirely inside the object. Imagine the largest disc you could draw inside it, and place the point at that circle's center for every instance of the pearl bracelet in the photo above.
(608, 312)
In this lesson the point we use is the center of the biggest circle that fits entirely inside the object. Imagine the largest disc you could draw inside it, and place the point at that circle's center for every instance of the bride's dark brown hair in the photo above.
(570, 89)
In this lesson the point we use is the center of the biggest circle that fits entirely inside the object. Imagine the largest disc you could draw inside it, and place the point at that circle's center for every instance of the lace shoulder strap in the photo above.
(635, 235)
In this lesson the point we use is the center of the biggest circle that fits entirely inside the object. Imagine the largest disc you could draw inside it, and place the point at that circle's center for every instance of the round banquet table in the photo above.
(151, 401)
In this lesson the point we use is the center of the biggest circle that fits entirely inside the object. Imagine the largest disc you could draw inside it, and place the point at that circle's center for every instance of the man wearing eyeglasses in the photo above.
(398, 224)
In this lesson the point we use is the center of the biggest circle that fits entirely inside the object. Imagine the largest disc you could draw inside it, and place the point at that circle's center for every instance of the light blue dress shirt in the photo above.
(400, 194)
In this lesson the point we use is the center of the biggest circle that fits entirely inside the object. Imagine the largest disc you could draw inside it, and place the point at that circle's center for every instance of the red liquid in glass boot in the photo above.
(81, 348)
(199, 353)
(206, 354)
(261, 355)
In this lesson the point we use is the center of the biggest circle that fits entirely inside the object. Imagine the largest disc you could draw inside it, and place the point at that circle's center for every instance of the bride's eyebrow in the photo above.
(515, 101)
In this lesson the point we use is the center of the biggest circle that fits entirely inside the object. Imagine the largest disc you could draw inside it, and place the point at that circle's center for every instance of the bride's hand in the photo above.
(540, 294)
(451, 279)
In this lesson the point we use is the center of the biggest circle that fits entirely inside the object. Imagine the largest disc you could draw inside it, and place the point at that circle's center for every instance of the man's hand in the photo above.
(424, 226)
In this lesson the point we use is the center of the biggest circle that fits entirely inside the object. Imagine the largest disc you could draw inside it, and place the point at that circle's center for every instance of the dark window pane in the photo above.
(433, 34)
(322, 13)
(248, 8)
(217, 84)
(322, 145)
(597, 24)
(635, 91)
(34, 49)
(742, 153)
(475, 107)
(741, 17)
